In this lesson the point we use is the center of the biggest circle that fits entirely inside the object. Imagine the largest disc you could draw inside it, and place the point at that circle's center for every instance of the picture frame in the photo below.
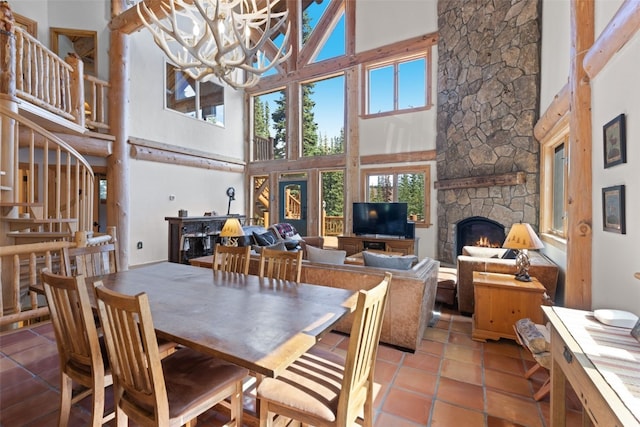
(635, 331)
(29, 25)
(613, 209)
(615, 142)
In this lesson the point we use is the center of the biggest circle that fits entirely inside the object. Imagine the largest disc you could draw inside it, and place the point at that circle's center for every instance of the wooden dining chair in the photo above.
(323, 389)
(234, 259)
(153, 392)
(79, 349)
(91, 261)
(282, 265)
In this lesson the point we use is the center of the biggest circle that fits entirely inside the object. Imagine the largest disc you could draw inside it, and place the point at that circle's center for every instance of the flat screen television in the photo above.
(387, 219)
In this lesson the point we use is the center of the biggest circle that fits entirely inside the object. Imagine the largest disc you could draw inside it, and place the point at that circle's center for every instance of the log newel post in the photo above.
(77, 88)
(118, 174)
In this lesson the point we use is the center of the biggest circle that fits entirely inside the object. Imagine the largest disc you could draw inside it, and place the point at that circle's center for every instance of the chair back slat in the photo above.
(72, 319)
(131, 342)
(363, 347)
(281, 265)
(233, 259)
(79, 350)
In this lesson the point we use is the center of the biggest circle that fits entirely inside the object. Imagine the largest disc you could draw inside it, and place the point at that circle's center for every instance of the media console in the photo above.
(354, 244)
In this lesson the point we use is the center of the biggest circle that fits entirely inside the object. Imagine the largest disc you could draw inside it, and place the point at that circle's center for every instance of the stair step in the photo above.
(38, 236)
(33, 224)
(18, 204)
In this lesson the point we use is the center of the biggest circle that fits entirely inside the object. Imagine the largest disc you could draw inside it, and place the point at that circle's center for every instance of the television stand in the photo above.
(354, 244)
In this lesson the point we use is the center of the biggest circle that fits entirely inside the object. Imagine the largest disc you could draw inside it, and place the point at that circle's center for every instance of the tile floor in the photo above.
(450, 381)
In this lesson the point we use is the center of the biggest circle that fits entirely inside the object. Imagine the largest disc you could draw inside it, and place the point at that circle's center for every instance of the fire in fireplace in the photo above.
(478, 231)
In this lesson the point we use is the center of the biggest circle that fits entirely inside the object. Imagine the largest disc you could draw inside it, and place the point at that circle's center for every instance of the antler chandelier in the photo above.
(222, 38)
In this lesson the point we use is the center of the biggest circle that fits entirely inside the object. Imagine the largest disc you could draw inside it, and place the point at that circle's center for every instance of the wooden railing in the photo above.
(292, 206)
(332, 225)
(63, 193)
(20, 267)
(262, 148)
(42, 78)
(59, 86)
(96, 97)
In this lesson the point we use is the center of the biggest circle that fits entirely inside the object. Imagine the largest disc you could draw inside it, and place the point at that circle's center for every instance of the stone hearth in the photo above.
(488, 103)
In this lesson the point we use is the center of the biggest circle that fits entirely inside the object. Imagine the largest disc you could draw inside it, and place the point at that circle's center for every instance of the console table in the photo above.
(602, 364)
(193, 236)
(500, 301)
(356, 244)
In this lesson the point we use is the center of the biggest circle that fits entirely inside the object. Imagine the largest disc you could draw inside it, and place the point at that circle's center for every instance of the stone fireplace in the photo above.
(488, 103)
(478, 231)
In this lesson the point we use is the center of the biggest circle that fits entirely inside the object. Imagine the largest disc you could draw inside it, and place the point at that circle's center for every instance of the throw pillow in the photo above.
(279, 246)
(395, 262)
(326, 256)
(264, 239)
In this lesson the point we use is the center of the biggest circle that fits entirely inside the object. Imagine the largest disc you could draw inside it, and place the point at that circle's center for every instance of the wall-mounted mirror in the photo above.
(83, 42)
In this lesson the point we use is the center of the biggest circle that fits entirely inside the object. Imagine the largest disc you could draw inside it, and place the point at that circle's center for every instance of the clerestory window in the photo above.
(397, 85)
(202, 100)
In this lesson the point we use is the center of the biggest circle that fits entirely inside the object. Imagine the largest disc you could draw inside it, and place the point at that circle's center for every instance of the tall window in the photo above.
(200, 100)
(399, 85)
(270, 125)
(323, 117)
(553, 187)
(408, 185)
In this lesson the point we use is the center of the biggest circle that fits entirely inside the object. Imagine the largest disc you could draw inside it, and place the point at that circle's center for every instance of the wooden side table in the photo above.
(500, 301)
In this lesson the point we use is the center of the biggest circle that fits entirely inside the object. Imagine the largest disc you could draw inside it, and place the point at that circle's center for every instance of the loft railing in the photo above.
(59, 86)
(42, 78)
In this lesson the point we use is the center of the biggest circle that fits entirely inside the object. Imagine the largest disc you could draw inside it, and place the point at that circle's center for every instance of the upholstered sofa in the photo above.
(490, 260)
(411, 295)
(258, 236)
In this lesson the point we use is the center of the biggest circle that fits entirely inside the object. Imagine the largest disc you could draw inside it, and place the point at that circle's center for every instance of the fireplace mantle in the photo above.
(511, 178)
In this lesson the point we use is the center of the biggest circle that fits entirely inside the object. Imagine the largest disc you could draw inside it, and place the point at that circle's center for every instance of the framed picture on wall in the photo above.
(615, 143)
(613, 215)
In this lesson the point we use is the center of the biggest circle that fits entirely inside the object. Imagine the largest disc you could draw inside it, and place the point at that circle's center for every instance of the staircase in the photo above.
(46, 185)
(55, 199)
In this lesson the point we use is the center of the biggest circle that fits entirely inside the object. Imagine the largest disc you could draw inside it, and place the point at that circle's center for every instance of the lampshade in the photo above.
(232, 228)
(522, 236)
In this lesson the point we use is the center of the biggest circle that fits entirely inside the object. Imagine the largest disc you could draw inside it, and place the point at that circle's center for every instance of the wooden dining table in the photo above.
(258, 323)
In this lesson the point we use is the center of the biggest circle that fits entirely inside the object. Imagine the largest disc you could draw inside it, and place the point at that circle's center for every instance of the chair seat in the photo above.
(311, 384)
(190, 375)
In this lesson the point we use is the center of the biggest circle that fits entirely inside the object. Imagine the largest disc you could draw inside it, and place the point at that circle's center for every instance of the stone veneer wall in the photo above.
(488, 103)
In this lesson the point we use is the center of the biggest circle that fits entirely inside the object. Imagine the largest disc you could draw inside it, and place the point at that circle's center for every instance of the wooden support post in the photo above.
(118, 162)
(580, 221)
(77, 87)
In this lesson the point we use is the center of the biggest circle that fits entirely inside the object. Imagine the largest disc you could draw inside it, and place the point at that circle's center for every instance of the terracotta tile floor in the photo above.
(450, 381)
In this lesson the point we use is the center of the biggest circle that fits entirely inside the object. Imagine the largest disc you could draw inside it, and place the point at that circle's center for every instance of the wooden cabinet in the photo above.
(355, 244)
(500, 301)
(193, 236)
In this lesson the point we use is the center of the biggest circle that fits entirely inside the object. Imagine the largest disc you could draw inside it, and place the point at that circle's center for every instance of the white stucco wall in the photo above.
(556, 44)
(379, 23)
(614, 91)
(615, 256)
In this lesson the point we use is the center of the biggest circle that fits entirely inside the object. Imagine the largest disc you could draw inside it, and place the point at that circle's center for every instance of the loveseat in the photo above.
(490, 260)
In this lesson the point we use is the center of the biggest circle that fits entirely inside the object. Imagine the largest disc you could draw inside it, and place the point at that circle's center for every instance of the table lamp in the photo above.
(522, 238)
(231, 231)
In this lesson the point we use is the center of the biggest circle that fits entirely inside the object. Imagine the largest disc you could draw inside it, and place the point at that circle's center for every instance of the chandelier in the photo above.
(222, 38)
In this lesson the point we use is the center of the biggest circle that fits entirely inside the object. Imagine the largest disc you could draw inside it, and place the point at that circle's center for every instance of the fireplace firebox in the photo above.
(478, 231)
